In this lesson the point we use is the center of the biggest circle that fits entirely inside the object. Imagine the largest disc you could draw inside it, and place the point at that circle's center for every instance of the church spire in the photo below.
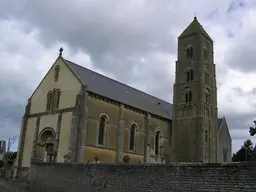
(195, 27)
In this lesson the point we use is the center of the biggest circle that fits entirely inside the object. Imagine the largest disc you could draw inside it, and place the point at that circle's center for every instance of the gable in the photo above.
(67, 83)
(224, 127)
(122, 93)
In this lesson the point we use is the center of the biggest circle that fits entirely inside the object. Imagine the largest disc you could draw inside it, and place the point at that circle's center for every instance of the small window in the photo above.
(56, 75)
(58, 93)
(206, 54)
(49, 101)
(206, 136)
(157, 142)
(102, 127)
(188, 95)
(189, 51)
(189, 75)
(132, 137)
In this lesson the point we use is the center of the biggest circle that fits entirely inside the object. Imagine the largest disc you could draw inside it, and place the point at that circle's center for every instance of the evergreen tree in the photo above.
(244, 153)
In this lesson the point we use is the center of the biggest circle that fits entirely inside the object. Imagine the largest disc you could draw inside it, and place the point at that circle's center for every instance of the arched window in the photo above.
(132, 137)
(58, 93)
(189, 74)
(49, 101)
(157, 142)
(102, 127)
(56, 74)
(188, 95)
(207, 96)
(189, 51)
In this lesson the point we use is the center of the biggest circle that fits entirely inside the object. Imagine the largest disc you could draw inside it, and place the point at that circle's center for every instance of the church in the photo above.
(77, 115)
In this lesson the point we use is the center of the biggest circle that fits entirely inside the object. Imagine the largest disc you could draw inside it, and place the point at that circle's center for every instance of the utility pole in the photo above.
(6, 158)
(5, 161)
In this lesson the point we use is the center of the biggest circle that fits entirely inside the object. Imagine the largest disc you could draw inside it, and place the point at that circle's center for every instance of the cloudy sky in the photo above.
(133, 41)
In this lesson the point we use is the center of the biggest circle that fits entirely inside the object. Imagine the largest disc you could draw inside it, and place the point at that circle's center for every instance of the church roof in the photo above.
(112, 89)
(219, 122)
(195, 27)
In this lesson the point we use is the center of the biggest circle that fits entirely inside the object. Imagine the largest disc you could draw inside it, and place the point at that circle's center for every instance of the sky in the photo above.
(132, 41)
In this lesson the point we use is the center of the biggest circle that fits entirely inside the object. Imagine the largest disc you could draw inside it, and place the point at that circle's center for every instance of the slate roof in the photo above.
(112, 89)
(219, 122)
(195, 27)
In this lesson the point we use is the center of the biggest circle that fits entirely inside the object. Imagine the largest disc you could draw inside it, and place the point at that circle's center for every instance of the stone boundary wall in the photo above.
(182, 177)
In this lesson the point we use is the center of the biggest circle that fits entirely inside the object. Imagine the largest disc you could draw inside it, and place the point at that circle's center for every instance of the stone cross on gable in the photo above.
(60, 50)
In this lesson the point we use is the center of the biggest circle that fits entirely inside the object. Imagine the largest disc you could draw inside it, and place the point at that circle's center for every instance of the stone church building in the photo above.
(78, 115)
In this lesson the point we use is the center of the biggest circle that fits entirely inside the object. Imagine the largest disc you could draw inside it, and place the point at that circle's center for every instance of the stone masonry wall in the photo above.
(143, 178)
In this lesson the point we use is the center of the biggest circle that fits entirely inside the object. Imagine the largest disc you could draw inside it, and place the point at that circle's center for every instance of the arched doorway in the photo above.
(46, 147)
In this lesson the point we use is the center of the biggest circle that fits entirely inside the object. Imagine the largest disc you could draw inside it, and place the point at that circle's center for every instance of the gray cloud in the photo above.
(244, 60)
(116, 38)
(136, 42)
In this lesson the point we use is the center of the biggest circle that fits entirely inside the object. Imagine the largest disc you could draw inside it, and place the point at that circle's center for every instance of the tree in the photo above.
(11, 155)
(252, 130)
(244, 153)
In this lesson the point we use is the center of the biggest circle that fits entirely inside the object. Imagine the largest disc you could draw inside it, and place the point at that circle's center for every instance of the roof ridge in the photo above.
(120, 82)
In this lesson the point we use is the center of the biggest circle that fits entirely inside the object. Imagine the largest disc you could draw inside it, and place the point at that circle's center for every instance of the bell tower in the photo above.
(195, 112)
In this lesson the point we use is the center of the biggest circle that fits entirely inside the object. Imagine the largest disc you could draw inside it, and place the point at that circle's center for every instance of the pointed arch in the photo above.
(49, 130)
